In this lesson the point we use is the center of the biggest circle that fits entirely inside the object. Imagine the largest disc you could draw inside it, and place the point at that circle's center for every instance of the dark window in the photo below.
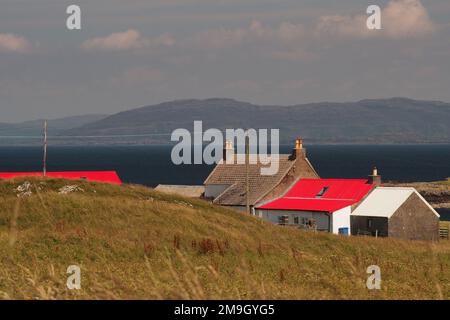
(283, 220)
(369, 223)
(296, 220)
(322, 192)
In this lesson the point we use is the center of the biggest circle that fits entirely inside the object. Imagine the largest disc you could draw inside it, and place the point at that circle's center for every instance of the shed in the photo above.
(396, 212)
(182, 190)
(110, 177)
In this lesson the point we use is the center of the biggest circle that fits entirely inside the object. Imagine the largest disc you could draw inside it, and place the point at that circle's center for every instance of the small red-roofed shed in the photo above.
(110, 177)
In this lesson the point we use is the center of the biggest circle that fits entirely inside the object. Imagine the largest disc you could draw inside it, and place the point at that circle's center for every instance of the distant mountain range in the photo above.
(55, 127)
(396, 120)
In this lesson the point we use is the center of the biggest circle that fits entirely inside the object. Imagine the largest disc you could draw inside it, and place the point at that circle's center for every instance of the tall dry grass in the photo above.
(134, 243)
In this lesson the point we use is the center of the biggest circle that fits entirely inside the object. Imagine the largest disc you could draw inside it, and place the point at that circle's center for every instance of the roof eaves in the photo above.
(211, 174)
(311, 166)
(426, 202)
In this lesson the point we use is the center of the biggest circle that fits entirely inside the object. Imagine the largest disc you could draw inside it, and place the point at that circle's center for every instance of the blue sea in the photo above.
(151, 165)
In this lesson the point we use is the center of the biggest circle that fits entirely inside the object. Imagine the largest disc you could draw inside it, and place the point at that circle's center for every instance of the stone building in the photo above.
(395, 212)
(226, 185)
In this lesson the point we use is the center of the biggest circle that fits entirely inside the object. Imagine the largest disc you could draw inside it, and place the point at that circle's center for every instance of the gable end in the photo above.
(414, 220)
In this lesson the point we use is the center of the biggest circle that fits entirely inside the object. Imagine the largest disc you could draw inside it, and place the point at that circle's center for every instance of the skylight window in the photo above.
(322, 192)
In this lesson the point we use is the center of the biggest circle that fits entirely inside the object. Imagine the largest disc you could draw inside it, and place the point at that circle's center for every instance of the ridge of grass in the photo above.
(132, 242)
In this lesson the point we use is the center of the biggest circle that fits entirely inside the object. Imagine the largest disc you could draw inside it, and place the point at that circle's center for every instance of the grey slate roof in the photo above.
(234, 175)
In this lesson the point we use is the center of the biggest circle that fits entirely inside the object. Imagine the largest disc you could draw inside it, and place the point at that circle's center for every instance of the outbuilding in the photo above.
(182, 190)
(110, 177)
(395, 212)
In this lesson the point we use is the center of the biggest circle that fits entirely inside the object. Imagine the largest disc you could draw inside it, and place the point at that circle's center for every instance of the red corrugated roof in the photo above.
(95, 176)
(303, 196)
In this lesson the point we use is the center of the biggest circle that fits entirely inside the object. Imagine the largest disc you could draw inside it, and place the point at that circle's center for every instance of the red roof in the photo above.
(304, 196)
(95, 176)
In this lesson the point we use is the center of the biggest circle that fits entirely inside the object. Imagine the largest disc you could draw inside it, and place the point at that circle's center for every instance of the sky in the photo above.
(133, 53)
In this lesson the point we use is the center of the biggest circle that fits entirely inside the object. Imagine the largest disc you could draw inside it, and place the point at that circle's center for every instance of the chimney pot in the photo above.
(298, 144)
(228, 151)
(299, 152)
(374, 178)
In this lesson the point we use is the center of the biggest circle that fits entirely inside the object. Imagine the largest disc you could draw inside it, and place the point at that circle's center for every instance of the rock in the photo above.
(70, 189)
(24, 190)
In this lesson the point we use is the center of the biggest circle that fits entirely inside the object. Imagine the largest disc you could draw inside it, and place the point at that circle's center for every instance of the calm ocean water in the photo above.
(151, 165)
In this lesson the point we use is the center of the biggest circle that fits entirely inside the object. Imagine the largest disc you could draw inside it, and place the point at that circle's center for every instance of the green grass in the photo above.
(134, 243)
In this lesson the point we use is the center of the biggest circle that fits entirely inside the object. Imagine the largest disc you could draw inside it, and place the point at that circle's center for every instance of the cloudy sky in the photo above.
(132, 53)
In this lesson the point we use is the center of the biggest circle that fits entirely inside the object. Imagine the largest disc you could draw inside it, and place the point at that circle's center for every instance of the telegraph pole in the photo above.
(45, 149)
(247, 182)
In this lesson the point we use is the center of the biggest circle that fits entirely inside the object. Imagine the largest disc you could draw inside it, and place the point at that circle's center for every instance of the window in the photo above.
(308, 223)
(369, 223)
(322, 192)
(283, 220)
(296, 220)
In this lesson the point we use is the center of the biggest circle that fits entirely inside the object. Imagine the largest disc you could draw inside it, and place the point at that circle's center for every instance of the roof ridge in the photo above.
(311, 166)
(334, 179)
(318, 199)
(396, 188)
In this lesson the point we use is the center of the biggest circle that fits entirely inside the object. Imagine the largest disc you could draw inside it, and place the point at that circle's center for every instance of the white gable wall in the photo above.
(341, 219)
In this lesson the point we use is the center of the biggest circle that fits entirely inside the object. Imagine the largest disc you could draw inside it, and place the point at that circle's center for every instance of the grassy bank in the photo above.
(132, 242)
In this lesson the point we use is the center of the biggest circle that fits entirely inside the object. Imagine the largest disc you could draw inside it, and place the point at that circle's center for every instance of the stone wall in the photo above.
(414, 220)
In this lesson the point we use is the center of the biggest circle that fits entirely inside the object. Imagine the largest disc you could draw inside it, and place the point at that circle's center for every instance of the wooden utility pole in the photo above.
(247, 179)
(45, 149)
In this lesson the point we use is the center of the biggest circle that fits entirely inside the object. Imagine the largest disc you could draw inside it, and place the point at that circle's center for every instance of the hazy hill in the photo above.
(55, 127)
(396, 120)
(132, 242)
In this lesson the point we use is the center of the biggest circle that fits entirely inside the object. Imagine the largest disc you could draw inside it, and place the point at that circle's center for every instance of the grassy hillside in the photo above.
(132, 242)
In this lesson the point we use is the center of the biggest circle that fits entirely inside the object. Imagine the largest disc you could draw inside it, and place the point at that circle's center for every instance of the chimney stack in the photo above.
(299, 152)
(228, 151)
(374, 178)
